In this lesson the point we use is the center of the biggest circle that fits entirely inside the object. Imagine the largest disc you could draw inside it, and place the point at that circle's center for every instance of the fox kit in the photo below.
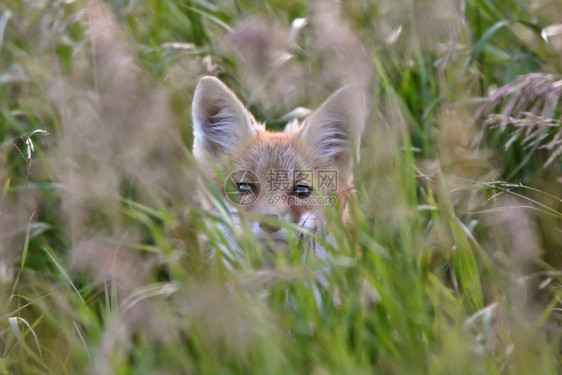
(274, 176)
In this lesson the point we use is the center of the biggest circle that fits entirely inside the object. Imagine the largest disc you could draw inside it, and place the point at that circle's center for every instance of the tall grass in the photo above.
(450, 261)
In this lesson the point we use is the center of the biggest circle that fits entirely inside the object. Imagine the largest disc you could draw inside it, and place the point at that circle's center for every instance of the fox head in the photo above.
(287, 175)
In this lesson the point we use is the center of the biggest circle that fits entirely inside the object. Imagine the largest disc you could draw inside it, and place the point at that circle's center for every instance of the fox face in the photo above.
(290, 175)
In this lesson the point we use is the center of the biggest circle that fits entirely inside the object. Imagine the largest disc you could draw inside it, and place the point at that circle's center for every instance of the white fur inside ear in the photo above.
(336, 126)
(221, 123)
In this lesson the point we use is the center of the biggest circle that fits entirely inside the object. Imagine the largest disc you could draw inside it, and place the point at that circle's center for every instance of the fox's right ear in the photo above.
(221, 123)
(336, 127)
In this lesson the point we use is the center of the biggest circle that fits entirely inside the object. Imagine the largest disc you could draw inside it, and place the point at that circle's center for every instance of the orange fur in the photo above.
(227, 136)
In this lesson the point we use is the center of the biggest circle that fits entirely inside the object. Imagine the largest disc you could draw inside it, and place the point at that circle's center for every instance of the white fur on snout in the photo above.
(308, 221)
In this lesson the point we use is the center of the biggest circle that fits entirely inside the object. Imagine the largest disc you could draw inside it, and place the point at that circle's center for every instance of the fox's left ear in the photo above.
(335, 128)
(221, 123)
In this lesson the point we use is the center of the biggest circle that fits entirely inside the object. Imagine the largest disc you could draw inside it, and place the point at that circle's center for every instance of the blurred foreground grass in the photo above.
(450, 263)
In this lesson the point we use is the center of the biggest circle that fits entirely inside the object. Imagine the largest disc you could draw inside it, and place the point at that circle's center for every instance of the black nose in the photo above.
(268, 227)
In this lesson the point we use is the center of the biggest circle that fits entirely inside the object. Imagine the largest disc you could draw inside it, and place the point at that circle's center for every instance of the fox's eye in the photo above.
(245, 187)
(302, 191)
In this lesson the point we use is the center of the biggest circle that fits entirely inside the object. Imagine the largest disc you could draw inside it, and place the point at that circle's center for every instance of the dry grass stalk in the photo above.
(532, 131)
(529, 112)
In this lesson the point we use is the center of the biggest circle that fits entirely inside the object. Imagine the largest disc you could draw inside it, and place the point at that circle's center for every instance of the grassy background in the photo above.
(450, 263)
